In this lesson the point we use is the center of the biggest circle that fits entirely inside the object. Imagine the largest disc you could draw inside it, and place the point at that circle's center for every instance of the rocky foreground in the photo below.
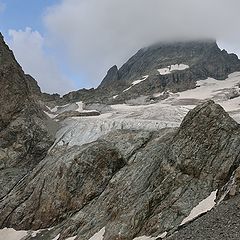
(131, 183)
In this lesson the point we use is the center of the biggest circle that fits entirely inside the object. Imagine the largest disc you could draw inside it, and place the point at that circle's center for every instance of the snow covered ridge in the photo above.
(175, 67)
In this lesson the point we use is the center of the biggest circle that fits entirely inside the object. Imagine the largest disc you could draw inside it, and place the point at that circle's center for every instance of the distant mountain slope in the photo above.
(159, 68)
(202, 59)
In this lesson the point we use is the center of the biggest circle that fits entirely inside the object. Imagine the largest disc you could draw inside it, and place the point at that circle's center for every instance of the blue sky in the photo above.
(19, 15)
(70, 44)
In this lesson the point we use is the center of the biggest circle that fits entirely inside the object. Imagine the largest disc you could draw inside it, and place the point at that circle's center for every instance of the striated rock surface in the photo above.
(127, 183)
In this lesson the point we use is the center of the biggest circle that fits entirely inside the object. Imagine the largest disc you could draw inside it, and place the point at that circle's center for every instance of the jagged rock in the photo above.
(112, 76)
(167, 173)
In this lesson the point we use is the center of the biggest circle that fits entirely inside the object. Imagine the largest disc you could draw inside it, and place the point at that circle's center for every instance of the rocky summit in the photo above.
(164, 165)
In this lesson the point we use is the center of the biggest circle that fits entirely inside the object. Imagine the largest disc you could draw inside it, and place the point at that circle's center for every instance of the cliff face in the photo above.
(24, 128)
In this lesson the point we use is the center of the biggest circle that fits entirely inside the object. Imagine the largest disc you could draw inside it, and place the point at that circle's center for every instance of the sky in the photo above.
(70, 44)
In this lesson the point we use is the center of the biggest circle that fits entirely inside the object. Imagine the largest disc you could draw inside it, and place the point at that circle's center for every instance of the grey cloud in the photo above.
(98, 34)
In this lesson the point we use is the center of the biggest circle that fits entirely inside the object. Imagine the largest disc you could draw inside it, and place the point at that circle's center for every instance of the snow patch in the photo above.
(71, 238)
(50, 114)
(163, 235)
(204, 206)
(114, 97)
(99, 235)
(136, 82)
(144, 238)
(11, 234)
(80, 106)
(175, 67)
(57, 237)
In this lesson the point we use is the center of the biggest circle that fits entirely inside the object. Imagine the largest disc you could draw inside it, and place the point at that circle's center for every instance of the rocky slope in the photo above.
(25, 134)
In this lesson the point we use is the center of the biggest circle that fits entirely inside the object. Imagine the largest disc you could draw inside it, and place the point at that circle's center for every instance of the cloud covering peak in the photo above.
(98, 34)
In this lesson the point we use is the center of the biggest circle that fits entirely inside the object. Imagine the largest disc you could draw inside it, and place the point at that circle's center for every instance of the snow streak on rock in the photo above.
(99, 235)
(204, 206)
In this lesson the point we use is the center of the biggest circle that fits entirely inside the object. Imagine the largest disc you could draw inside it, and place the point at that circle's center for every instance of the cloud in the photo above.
(98, 34)
(28, 47)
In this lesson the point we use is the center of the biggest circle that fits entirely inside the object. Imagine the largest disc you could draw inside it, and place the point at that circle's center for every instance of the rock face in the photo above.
(24, 128)
(112, 76)
(140, 182)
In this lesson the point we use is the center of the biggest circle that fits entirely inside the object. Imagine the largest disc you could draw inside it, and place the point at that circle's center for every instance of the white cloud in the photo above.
(28, 47)
(98, 34)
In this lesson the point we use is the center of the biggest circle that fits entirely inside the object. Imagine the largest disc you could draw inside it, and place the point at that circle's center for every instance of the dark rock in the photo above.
(68, 114)
(112, 76)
